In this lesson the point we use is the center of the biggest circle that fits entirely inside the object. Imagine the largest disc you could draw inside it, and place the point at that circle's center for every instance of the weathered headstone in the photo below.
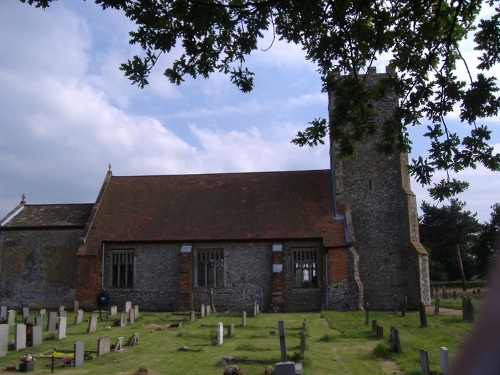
(76, 306)
(380, 332)
(39, 321)
(202, 310)
(4, 339)
(131, 316)
(230, 330)
(79, 354)
(123, 319)
(25, 313)
(220, 333)
(192, 316)
(423, 316)
(367, 313)
(136, 311)
(284, 367)
(62, 309)
(444, 360)
(395, 342)
(374, 326)
(119, 344)
(20, 337)
(61, 328)
(133, 340)
(103, 345)
(42, 313)
(92, 323)
(79, 317)
(128, 306)
(11, 317)
(113, 310)
(208, 310)
(436, 305)
(36, 335)
(424, 362)
(3, 312)
(52, 321)
(63, 313)
(243, 318)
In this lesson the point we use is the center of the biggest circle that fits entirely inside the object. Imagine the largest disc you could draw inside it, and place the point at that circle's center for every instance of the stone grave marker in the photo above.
(208, 310)
(380, 332)
(128, 306)
(394, 338)
(113, 310)
(29, 320)
(284, 367)
(243, 318)
(76, 306)
(230, 330)
(11, 317)
(42, 313)
(423, 317)
(464, 309)
(220, 333)
(136, 311)
(61, 328)
(123, 319)
(281, 329)
(36, 335)
(25, 313)
(79, 317)
(20, 337)
(202, 310)
(367, 313)
(52, 322)
(119, 344)
(131, 316)
(470, 311)
(444, 360)
(4, 339)
(134, 339)
(255, 311)
(103, 345)
(63, 313)
(424, 361)
(79, 354)
(302, 343)
(3, 312)
(436, 305)
(92, 323)
(192, 316)
(374, 326)
(39, 321)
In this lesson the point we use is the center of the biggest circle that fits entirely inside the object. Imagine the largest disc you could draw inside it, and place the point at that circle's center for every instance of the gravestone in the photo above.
(76, 306)
(436, 305)
(4, 339)
(119, 344)
(103, 345)
(131, 316)
(202, 310)
(255, 308)
(92, 323)
(136, 311)
(42, 313)
(123, 319)
(302, 344)
(423, 317)
(230, 330)
(52, 322)
(79, 354)
(128, 306)
(113, 310)
(25, 313)
(243, 318)
(464, 309)
(79, 317)
(284, 367)
(62, 311)
(367, 313)
(304, 325)
(39, 321)
(424, 361)
(29, 320)
(3, 312)
(36, 335)
(380, 332)
(220, 333)
(444, 360)
(374, 326)
(395, 342)
(11, 317)
(281, 329)
(61, 328)
(192, 316)
(20, 337)
(470, 311)
(208, 310)
(134, 339)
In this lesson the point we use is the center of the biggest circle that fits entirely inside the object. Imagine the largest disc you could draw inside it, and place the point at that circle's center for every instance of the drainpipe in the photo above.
(326, 282)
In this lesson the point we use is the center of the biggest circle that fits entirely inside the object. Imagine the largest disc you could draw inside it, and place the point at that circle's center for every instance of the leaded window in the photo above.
(305, 268)
(122, 268)
(210, 268)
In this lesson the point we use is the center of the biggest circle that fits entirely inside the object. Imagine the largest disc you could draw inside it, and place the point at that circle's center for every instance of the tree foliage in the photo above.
(345, 36)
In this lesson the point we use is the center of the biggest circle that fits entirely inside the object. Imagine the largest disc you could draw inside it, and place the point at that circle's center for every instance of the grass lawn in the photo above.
(336, 343)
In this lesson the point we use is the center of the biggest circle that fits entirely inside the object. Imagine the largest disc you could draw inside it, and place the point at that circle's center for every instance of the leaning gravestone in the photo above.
(20, 337)
(424, 362)
(61, 328)
(92, 323)
(119, 344)
(52, 322)
(11, 317)
(103, 345)
(79, 354)
(220, 333)
(36, 335)
(444, 360)
(4, 339)
(3, 312)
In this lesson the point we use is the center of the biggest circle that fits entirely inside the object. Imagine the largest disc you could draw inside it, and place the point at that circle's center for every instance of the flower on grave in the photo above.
(27, 358)
(67, 360)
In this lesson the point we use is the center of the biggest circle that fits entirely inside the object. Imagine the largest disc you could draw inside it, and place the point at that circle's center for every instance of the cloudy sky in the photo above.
(66, 112)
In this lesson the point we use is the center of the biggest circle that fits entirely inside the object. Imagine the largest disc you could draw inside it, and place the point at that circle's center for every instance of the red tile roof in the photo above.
(49, 215)
(229, 206)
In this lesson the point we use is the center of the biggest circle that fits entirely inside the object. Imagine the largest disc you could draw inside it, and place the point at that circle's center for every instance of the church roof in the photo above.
(216, 207)
(48, 215)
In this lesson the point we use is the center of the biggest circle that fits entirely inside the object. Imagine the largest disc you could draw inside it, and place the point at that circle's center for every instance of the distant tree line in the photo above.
(459, 246)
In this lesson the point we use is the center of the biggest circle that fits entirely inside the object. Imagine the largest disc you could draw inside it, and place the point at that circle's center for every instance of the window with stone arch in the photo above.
(305, 266)
(210, 267)
(122, 268)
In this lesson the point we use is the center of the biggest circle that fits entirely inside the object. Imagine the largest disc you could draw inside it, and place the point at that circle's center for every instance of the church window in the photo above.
(305, 267)
(210, 268)
(122, 268)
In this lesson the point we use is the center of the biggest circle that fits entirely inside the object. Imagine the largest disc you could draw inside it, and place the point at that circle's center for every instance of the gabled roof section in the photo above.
(220, 207)
(48, 215)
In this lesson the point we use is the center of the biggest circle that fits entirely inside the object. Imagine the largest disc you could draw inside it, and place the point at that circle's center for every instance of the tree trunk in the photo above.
(461, 268)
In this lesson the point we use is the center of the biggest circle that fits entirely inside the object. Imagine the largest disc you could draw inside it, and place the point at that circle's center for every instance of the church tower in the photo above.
(381, 218)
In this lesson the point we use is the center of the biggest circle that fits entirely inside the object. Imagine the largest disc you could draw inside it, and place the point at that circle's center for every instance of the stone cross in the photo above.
(79, 354)
(424, 362)
(444, 360)
(281, 328)
(220, 333)
(4, 339)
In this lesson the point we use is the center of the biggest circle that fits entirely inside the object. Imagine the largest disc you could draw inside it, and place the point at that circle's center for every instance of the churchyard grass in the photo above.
(335, 343)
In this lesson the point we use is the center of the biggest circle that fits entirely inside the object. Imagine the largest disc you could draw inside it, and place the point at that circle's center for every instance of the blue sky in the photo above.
(67, 111)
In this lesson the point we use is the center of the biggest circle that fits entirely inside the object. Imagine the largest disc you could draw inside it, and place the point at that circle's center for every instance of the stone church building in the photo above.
(292, 241)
